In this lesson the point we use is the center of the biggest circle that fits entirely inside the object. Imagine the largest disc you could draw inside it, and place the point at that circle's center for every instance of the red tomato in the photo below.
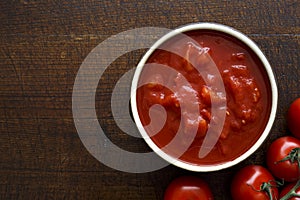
(287, 148)
(294, 118)
(188, 188)
(287, 189)
(254, 182)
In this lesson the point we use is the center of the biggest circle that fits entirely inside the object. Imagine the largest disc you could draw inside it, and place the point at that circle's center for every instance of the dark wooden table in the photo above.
(42, 47)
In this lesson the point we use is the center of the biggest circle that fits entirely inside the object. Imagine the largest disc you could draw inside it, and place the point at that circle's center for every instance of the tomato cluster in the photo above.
(255, 182)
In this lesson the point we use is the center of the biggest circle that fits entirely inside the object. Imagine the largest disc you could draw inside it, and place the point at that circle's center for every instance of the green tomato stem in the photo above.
(292, 192)
(267, 188)
(293, 156)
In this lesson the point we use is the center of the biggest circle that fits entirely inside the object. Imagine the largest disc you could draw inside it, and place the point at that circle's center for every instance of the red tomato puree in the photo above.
(247, 97)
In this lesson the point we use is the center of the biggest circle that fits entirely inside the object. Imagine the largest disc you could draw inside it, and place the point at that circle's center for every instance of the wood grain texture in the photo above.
(42, 47)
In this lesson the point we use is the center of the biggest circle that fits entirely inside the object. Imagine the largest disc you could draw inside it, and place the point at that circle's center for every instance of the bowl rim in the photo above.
(272, 81)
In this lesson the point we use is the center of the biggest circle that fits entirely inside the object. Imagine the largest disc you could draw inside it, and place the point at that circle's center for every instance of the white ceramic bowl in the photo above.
(274, 96)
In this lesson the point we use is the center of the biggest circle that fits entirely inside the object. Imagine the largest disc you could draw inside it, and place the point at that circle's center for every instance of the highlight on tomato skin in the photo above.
(293, 118)
(283, 158)
(188, 188)
(254, 182)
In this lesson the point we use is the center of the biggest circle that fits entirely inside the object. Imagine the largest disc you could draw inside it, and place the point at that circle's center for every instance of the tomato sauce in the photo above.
(247, 97)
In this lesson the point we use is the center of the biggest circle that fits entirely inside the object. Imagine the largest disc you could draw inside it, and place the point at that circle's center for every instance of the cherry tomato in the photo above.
(188, 188)
(290, 192)
(254, 182)
(294, 118)
(283, 157)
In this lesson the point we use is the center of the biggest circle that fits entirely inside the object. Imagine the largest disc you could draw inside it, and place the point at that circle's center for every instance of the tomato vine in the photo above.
(292, 192)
